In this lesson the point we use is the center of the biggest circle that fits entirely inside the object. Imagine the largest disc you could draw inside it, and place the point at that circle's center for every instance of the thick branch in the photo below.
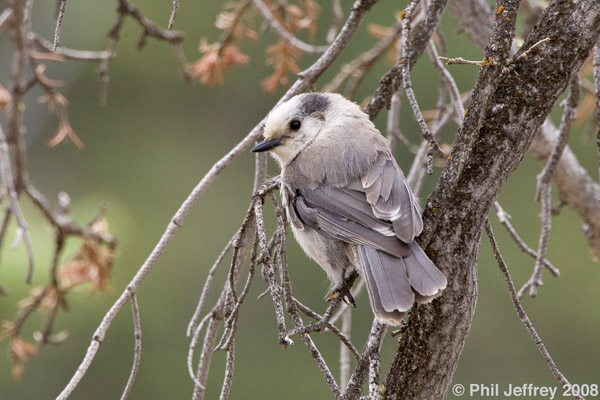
(520, 102)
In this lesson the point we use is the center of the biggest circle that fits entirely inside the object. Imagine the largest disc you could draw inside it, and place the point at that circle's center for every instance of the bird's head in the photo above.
(297, 123)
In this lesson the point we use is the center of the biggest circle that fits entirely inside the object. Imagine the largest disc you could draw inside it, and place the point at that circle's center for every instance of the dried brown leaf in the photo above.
(20, 351)
(208, 69)
(7, 329)
(65, 130)
(92, 263)
(231, 56)
(44, 80)
(284, 59)
(312, 10)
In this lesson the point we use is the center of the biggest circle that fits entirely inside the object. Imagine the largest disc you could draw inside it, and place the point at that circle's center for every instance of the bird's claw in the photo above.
(343, 291)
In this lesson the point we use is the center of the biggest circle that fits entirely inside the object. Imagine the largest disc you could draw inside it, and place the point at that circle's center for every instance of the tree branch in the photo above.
(481, 163)
(307, 78)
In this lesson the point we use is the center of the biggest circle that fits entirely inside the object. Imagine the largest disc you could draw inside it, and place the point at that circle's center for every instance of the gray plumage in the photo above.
(348, 201)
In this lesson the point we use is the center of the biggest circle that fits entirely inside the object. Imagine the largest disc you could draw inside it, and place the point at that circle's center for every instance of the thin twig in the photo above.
(459, 60)
(240, 242)
(336, 21)
(173, 13)
(544, 185)
(227, 379)
(370, 352)
(448, 81)
(521, 312)
(113, 40)
(269, 275)
(325, 371)
(66, 225)
(416, 174)
(231, 321)
(532, 47)
(316, 355)
(137, 351)
(210, 338)
(8, 181)
(358, 67)
(83, 55)
(125, 8)
(405, 69)
(320, 325)
(59, 19)
(346, 329)
(53, 286)
(344, 337)
(150, 29)
(207, 285)
(504, 219)
(392, 80)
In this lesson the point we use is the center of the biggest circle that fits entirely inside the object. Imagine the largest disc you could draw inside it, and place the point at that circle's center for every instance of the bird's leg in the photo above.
(342, 290)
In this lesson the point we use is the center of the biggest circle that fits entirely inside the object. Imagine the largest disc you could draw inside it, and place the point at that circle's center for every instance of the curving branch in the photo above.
(544, 185)
(307, 78)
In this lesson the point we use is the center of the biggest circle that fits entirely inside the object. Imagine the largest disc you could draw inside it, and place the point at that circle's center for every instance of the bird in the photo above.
(348, 202)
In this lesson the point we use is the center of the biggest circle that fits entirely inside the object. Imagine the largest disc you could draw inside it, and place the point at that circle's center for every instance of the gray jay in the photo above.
(348, 202)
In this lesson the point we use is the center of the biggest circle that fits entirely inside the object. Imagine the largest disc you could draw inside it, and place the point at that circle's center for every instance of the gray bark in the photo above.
(514, 100)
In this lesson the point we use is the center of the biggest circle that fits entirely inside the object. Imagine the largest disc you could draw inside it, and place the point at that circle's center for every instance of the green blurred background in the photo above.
(154, 140)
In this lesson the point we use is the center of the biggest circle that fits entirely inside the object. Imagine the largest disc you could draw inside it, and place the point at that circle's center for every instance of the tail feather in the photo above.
(389, 291)
(423, 275)
(395, 283)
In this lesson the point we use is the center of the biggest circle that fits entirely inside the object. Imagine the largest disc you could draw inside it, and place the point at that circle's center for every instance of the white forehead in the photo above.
(282, 114)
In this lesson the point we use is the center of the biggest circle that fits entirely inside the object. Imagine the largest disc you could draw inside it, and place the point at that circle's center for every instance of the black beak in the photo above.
(266, 145)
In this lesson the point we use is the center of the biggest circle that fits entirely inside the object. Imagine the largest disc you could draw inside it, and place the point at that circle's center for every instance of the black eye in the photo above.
(295, 125)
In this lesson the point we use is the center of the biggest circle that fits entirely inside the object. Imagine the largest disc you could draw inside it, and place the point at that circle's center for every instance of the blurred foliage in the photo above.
(147, 148)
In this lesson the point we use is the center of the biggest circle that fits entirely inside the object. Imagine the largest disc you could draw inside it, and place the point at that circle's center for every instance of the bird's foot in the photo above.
(343, 292)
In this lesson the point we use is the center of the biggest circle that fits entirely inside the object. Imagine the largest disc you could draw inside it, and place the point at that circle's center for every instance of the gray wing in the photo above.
(375, 210)
(391, 199)
(344, 214)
